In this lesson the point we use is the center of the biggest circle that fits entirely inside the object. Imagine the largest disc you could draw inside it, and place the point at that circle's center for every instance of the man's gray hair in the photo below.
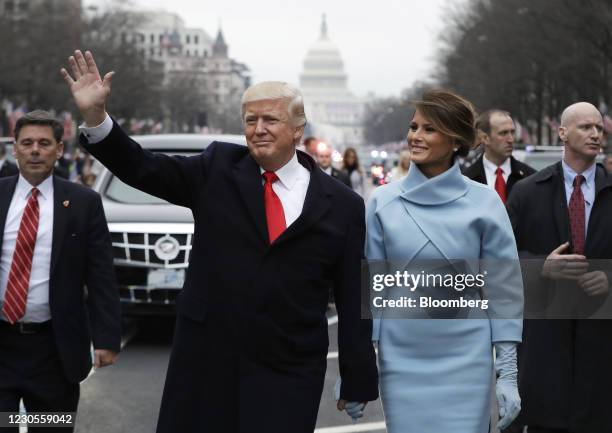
(277, 90)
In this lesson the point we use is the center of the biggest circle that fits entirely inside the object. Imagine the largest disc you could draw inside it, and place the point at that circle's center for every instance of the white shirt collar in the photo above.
(506, 167)
(288, 174)
(2, 162)
(569, 174)
(45, 189)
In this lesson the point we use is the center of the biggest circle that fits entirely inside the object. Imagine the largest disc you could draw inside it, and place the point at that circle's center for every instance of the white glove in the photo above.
(508, 398)
(354, 409)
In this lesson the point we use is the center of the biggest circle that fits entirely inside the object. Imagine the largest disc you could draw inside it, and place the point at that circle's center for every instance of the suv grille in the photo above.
(138, 249)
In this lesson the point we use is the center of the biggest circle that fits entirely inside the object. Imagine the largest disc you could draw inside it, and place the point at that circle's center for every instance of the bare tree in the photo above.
(35, 41)
(532, 57)
(138, 84)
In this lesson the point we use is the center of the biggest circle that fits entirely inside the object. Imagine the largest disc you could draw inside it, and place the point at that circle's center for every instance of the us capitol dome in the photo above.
(334, 114)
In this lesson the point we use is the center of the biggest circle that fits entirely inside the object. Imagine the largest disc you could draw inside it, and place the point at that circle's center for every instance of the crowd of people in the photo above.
(294, 224)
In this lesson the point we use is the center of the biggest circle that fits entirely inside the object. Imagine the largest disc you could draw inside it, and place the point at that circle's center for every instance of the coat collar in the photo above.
(61, 196)
(441, 189)
(515, 168)
(317, 202)
(549, 172)
(248, 178)
(602, 178)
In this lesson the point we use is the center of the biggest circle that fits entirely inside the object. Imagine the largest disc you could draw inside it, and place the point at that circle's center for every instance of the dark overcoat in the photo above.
(564, 364)
(249, 352)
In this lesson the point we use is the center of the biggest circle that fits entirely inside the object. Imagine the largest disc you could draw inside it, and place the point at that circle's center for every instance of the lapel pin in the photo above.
(66, 203)
(521, 172)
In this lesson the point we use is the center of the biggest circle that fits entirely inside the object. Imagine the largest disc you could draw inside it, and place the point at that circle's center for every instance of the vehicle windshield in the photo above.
(538, 161)
(121, 192)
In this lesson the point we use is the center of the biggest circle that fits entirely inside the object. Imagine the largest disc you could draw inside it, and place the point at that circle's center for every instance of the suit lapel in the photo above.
(602, 180)
(316, 203)
(60, 218)
(516, 174)
(6, 195)
(248, 178)
(481, 175)
(560, 203)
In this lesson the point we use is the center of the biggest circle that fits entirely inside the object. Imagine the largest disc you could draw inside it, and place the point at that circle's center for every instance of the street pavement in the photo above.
(126, 396)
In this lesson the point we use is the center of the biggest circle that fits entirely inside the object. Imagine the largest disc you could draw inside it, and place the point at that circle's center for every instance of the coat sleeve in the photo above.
(503, 282)
(356, 358)
(374, 250)
(102, 292)
(171, 178)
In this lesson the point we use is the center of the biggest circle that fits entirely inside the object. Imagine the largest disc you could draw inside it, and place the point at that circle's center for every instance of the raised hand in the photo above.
(89, 90)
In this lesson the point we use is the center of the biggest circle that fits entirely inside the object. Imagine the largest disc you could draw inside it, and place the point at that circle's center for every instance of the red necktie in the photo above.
(500, 184)
(275, 215)
(16, 294)
(576, 216)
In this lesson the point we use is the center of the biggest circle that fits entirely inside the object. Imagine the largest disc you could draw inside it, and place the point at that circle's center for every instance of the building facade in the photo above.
(334, 114)
(189, 55)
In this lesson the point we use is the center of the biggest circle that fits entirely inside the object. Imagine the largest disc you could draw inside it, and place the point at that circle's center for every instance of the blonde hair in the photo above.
(277, 90)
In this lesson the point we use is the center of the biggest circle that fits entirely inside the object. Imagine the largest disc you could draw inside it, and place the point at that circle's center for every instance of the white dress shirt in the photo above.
(98, 133)
(490, 169)
(2, 162)
(291, 187)
(587, 187)
(37, 307)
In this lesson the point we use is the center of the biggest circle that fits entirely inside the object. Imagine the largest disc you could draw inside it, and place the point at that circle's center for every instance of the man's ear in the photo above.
(485, 138)
(298, 133)
(563, 133)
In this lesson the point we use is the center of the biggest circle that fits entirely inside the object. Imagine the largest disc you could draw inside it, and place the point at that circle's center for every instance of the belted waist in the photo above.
(25, 327)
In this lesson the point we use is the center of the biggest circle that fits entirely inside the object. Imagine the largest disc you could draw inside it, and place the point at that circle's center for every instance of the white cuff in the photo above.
(97, 133)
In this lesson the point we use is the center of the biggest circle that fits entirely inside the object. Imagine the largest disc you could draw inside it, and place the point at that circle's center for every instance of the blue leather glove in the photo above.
(508, 398)
(354, 409)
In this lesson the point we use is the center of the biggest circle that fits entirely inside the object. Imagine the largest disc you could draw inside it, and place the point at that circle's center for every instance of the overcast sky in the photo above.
(386, 44)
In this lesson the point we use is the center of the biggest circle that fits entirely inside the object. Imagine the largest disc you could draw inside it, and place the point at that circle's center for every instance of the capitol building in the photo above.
(334, 114)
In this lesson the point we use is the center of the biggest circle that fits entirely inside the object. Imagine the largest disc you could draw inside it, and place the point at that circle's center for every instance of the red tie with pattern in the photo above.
(500, 184)
(576, 216)
(16, 294)
(275, 215)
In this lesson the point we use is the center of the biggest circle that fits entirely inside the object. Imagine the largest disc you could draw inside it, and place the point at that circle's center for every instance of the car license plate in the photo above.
(166, 278)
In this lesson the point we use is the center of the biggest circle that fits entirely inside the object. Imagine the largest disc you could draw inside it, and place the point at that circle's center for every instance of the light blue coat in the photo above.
(435, 375)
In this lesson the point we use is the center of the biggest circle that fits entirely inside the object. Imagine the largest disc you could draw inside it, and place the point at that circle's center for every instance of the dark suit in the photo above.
(249, 352)
(518, 171)
(342, 176)
(8, 169)
(565, 373)
(81, 256)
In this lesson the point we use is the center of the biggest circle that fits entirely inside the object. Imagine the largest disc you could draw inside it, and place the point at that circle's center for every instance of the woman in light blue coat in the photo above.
(435, 374)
